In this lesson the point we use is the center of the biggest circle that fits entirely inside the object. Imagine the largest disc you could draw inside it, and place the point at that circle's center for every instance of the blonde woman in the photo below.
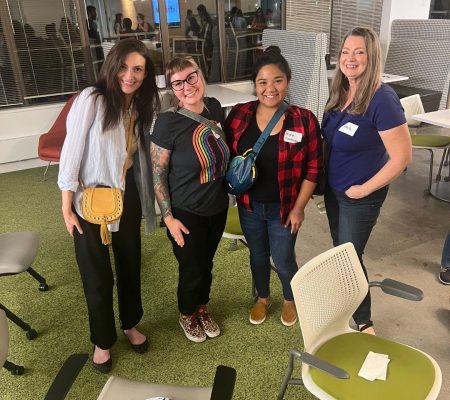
(189, 162)
(366, 131)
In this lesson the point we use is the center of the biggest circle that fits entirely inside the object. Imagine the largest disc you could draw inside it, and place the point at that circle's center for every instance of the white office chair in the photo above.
(327, 290)
(413, 105)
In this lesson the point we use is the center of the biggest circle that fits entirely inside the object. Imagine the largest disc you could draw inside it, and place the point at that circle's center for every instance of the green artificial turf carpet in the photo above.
(258, 353)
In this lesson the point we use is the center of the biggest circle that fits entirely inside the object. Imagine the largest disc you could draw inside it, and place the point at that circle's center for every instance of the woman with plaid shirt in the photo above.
(272, 210)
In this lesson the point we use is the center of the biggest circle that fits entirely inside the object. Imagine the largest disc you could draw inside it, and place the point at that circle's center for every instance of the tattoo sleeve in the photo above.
(160, 165)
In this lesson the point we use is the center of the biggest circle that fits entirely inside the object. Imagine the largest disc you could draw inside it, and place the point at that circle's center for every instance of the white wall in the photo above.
(400, 9)
(20, 129)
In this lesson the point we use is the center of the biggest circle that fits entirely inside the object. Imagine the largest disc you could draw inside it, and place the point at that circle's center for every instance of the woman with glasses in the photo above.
(189, 160)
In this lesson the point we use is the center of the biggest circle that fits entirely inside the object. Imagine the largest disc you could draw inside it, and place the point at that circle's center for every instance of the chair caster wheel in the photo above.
(43, 287)
(18, 370)
(31, 334)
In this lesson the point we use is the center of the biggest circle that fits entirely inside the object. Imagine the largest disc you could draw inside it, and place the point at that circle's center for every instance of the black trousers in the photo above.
(94, 263)
(195, 258)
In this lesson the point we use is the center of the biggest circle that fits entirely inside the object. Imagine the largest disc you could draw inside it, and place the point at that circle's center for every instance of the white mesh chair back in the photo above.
(420, 49)
(327, 290)
(4, 338)
(412, 105)
(445, 92)
(305, 52)
(107, 46)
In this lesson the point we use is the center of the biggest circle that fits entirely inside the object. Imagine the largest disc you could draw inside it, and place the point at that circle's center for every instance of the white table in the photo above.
(440, 118)
(386, 78)
(227, 96)
(439, 189)
(390, 78)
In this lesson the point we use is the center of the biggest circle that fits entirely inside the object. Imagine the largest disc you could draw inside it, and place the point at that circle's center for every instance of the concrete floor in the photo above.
(406, 245)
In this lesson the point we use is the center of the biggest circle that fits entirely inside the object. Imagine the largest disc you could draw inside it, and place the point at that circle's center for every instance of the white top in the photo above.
(90, 152)
(439, 118)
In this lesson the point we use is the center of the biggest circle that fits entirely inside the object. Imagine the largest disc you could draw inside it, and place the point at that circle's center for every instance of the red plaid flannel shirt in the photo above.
(295, 162)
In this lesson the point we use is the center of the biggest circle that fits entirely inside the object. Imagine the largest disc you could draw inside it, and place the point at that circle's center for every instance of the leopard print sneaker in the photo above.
(192, 328)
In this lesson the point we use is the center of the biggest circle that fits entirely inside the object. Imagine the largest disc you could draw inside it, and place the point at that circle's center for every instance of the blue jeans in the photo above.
(266, 236)
(446, 253)
(352, 220)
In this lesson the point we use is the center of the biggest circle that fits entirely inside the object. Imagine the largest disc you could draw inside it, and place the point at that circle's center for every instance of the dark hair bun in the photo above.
(274, 50)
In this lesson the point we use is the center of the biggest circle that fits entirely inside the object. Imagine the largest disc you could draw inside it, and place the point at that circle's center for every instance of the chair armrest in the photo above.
(398, 289)
(224, 381)
(66, 376)
(324, 366)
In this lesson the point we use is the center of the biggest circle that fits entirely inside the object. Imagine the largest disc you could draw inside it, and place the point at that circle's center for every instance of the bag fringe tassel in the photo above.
(104, 234)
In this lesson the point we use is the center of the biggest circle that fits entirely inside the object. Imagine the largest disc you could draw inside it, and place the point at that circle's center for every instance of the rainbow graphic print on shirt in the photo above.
(212, 153)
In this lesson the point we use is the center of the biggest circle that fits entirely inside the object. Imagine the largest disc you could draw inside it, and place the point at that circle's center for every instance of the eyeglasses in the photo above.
(192, 79)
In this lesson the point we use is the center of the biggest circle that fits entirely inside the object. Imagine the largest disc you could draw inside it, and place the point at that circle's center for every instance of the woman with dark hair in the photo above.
(189, 160)
(259, 21)
(365, 129)
(127, 24)
(117, 109)
(272, 211)
(118, 23)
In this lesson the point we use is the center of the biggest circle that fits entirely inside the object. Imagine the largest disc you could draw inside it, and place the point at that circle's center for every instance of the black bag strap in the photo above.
(202, 120)
(266, 132)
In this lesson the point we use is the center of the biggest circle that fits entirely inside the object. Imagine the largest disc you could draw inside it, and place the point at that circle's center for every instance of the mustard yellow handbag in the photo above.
(104, 205)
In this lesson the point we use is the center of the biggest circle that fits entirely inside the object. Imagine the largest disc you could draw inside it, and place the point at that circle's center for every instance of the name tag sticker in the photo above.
(349, 128)
(292, 136)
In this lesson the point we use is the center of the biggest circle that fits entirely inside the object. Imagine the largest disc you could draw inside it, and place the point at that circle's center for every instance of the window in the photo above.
(44, 58)
(334, 17)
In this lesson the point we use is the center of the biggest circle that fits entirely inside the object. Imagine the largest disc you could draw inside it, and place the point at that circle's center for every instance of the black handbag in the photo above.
(242, 173)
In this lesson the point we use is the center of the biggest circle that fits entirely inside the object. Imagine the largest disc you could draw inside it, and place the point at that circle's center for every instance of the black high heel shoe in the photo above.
(104, 367)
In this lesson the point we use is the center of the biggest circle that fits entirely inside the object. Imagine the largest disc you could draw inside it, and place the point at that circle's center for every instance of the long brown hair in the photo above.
(146, 99)
(368, 83)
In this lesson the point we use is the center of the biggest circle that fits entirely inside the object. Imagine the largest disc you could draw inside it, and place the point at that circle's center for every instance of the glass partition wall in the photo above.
(50, 49)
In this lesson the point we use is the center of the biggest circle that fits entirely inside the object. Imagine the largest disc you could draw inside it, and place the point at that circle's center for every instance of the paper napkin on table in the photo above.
(374, 366)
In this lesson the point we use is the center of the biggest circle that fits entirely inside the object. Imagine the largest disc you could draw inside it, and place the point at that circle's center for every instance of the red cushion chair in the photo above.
(50, 143)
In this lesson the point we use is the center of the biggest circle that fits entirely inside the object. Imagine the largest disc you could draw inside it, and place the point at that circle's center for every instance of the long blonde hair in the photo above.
(368, 83)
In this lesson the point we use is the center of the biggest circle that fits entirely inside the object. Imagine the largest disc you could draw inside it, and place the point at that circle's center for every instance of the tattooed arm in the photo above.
(160, 164)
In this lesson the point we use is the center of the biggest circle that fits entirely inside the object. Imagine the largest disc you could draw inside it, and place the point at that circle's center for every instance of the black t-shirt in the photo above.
(266, 188)
(198, 160)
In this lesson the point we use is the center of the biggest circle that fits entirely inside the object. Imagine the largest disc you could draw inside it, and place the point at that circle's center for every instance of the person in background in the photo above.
(142, 25)
(92, 24)
(273, 210)
(365, 128)
(122, 102)
(239, 22)
(231, 16)
(127, 24)
(189, 161)
(444, 275)
(259, 21)
(192, 28)
(94, 35)
(118, 23)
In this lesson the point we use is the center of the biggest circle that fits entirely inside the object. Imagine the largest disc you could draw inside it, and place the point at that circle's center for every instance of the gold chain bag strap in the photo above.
(104, 205)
